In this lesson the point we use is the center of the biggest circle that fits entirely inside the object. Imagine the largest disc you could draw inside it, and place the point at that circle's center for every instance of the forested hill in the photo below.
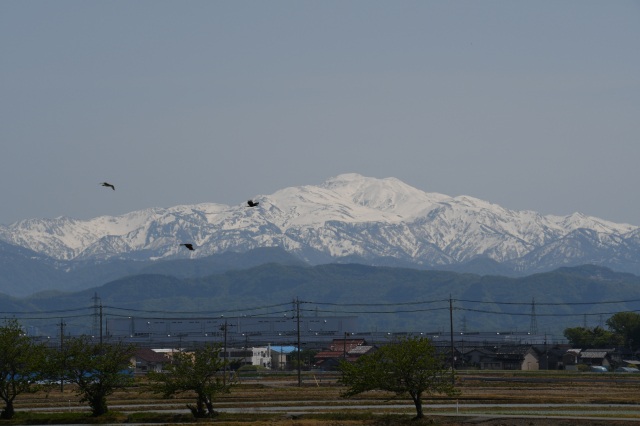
(384, 298)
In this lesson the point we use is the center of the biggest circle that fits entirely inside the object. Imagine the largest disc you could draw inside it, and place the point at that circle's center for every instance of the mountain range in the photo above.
(346, 219)
(382, 298)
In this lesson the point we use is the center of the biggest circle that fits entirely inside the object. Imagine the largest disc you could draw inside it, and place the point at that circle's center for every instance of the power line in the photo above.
(542, 315)
(550, 303)
(158, 311)
(345, 308)
(378, 304)
(47, 312)
(378, 312)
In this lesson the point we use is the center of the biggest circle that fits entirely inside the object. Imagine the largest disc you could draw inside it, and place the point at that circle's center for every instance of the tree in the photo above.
(409, 366)
(307, 357)
(98, 369)
(20, 365)
(193, 372)
(591, 337)
(624, 330)
(627, 326)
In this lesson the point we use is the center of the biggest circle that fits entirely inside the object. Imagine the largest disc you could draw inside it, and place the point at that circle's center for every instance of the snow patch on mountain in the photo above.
(347, 215)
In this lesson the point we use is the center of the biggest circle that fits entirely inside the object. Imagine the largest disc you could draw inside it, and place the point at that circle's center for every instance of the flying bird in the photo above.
(251, 203)
(189, 246)
(108, 185)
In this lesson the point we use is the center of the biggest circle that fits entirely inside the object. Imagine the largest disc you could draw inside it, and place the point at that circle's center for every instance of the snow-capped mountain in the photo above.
(349, 216)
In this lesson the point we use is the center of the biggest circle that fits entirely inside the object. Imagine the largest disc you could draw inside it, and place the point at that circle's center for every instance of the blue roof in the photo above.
(284, 349)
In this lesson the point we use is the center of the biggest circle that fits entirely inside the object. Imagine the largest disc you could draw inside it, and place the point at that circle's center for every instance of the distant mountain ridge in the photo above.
(348, 218)
(384, 298)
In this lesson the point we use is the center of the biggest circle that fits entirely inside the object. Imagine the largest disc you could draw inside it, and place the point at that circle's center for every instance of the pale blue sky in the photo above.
(533, 105)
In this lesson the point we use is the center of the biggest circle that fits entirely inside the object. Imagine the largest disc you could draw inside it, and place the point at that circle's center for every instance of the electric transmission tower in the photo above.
(533, 326)
(96, 315)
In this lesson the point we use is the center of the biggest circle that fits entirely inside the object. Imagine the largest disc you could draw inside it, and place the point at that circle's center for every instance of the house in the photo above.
(570, 359)
(632, 363)
(475, 357)
(341, 349)
(258, 355)
(512, 357)
(261, 356)
(444, 352)
(620, 355)
(281, 355)
(589, 357)
(596, 357)
(552, 357)
(145, 360)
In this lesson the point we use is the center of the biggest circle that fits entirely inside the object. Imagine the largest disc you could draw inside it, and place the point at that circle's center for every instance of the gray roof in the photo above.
(593, 354)
(513, 349)
(360, 350)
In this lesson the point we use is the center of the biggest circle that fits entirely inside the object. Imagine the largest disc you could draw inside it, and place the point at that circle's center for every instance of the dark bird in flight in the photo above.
(187, 245)
(108, 185)
(251, 203)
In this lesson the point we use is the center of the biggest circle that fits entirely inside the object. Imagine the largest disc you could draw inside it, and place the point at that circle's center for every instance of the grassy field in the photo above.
(487, 398)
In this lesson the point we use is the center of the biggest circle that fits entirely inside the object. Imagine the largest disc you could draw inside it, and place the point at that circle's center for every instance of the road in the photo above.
(601, 412)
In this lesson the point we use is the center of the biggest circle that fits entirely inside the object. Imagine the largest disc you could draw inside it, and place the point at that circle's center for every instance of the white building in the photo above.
(257, 356)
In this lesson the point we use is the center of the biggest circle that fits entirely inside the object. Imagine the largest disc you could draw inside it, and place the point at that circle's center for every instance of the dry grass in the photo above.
(140, 405)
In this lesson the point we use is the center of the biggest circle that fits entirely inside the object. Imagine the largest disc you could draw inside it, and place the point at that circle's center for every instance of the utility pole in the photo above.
(344, 345)
(533, 327)
(100, 323)
(546, 351)
(96, 316)
(246, 348)
(224, 369)
(298, 329)
(453, 356)
(62, 324)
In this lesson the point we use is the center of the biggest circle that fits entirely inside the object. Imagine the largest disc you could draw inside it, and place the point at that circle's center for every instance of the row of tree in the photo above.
(623, 330)
(27, 366)
(96, 370)
(409, 366)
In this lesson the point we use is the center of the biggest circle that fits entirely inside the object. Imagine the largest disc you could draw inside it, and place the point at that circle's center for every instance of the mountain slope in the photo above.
(383, 298)
(377, 221)
(23, 271)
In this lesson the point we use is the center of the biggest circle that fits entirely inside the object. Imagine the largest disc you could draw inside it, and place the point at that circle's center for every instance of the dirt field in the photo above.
(496, 398)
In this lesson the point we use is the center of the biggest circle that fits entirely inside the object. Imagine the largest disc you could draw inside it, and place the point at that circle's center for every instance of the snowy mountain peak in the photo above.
(386, 195)
(347, 215)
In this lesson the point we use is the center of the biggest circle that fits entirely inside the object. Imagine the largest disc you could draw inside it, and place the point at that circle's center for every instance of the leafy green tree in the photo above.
(307, 357)
(21, 362)
(578, 336)
(624, 330)
(591, 337)
(627, 326)
(409, 366)
(97, 369)
(195, 372)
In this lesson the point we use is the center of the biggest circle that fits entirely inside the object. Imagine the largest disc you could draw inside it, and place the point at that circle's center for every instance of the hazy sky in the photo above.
(532, 105)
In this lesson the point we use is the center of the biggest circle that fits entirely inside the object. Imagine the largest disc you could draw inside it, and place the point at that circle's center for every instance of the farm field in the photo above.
(486, 398)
